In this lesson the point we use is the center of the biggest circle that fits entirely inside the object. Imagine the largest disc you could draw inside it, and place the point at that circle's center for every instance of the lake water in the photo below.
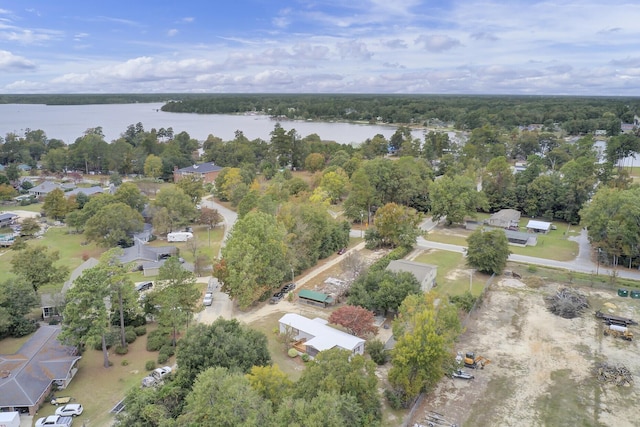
(68, 122)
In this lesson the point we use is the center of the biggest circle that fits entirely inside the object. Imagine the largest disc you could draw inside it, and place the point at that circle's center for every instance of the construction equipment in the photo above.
(475, 362)
(618, 332)
(610, 319)
(459, 373)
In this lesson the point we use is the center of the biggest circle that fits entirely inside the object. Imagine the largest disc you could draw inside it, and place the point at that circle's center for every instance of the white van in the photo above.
(179, 236)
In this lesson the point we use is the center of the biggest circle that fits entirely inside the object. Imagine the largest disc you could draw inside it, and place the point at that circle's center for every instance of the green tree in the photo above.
(56, 205)
(396, 225)
(153, 166)
(256, 257)
(180, 210)
(453, 198)
(236, 403)
(225, 343)
(498, 184)
(192, 187)
(335, 184)
(382, 290)
(314, 162)
(488, 251)
(86, 319)
(425, 330)
(114, 224)
(17, 298)
(327, 409)
(357, 206)
(35, 264)
(342, 372)
(122, 294)
(129, 194)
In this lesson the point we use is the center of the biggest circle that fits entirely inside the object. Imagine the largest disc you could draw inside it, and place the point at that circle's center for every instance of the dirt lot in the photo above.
(541, 372)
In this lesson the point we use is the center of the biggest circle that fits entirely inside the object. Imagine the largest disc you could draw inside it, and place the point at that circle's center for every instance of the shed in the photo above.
(425, 274)
(538, 226)
(520, 238)
(7, 218)
(315, 298)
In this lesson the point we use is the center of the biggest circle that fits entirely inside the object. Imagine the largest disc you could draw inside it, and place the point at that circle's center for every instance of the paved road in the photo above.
(229, 217)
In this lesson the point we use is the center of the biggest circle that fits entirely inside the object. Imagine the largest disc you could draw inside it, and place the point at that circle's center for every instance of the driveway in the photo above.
(229, 217)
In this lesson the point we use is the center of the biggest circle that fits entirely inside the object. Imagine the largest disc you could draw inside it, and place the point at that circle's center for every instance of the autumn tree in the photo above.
(153, 166)
(271, 383)
(357, 320)
(35, 264)
(210, 217)
(335, 184)
(488, 251)
(425, 330)
(453, 198)
(314, 162)
(192, 187)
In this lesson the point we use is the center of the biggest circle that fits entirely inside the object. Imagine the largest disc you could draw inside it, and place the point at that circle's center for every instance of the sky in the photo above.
(526, 47)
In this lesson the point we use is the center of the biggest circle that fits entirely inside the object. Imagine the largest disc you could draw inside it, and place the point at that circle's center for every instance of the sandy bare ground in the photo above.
(542, 365)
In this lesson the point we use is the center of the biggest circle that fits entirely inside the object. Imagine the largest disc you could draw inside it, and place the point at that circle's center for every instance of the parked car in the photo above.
(70, 410)
(54, 421)
(208, 299)
(288, 288)
(342, 251)
(276, 297)
(160, 373)
(144, 286)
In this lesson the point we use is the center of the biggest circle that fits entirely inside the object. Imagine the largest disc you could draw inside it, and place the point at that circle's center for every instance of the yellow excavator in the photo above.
(475, 362)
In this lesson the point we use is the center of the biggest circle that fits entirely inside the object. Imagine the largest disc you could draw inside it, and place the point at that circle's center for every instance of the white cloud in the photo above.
(172, 32)
(437, 42)
(188, 19)
(9, 61)
(353, 50)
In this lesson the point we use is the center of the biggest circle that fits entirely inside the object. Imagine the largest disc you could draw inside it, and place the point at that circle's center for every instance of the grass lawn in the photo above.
(553, 245)
(35, 207)
(99, 389)
(453, 273)
(293, 367)
(12, 345)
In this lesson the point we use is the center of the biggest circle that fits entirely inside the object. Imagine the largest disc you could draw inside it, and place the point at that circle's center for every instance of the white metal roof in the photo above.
(324, 336)
(539, 225)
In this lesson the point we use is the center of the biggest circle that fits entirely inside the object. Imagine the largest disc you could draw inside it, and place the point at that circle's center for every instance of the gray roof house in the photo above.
(205, 171)
(27, 377)
(88, 191)
(44, 188)
(425, 274)
(505, 218)
(7, 218)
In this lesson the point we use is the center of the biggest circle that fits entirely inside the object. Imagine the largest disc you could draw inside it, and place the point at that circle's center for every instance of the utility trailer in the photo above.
(611, 319)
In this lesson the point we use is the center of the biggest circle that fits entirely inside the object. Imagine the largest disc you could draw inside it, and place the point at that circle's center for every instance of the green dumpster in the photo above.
(635, 294)
(623, 293)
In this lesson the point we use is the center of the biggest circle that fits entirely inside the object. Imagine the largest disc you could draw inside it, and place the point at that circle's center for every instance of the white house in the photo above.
(538, 226)
(319, 336)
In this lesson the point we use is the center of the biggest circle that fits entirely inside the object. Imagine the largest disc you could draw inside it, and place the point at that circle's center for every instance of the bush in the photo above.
(464, 302)
(119, 349)
(394, 399)
(140, 330)
(54, 321)
(23, 327)
(157, 339)
(376, 350)
(166, 352)
(292, 352)
(150, 365)
(305, 357)
(130, 336)
(162, 358)
(124, 362)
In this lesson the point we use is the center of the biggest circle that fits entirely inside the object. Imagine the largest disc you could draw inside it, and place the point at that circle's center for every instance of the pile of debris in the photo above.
(618, 375)
(567, 303)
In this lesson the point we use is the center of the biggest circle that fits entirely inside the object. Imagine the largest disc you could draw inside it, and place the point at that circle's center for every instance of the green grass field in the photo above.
(453, 273)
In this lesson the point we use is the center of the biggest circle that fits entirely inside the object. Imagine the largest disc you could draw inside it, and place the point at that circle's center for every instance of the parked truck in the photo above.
(179, 236)
(618, 331)
(54, 421)
(9, 419)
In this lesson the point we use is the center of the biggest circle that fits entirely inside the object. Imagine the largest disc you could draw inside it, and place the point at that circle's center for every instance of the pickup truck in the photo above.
(54, 421)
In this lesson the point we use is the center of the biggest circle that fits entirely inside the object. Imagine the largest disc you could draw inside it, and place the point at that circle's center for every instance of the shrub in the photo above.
(23, 327)
(119, 349)
(292, 352)
(375, 348)
(130, 336)
(305, 357)
(150, 365)
(124, 362)
(140, 330)
(157, 339)
(394, 399)
(54, 321)
(464, 302)
(162, 358)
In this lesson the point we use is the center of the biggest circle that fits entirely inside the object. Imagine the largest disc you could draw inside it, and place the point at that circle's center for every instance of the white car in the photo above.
(70, 410)
(160, 373)
(208, 299)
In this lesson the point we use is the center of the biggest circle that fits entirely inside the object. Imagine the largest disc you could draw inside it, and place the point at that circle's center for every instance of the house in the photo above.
(28, 376)
(314, 335)
(538, 226)
(425, 274)
(505, 218)
(520, 238)
(89, 191)
(315, 298)
(7, 219)
(44, 188)
(149, 258)
(207, 172)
